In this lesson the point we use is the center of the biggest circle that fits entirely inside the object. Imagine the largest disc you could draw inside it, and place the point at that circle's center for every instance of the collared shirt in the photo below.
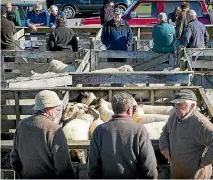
(53, 18)
(33, 18)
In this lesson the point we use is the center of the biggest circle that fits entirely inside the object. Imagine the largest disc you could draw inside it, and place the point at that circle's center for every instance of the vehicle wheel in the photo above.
(121, 7)
(211, 15)
(69, 12)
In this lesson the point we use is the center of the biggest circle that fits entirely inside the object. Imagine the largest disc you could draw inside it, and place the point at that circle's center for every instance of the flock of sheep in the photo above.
(81, 119)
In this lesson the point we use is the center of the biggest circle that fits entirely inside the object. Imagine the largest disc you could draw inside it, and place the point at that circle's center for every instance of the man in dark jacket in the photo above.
(40, 149)
(117, 35)
(62, 37)
(121, 148)
(13, 14)
(196, 35)
(7, 31)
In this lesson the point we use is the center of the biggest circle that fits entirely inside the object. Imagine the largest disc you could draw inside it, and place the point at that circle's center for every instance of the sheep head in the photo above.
(56, 66)
(85, 97)
(71, 111)
(88, 114)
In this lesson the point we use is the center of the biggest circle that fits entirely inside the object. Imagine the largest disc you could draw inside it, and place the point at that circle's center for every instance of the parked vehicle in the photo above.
(71, 8)
(23, 9)
(145, 12)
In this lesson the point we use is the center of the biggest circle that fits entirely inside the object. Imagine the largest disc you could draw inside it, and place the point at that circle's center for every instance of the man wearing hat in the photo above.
(36, 17)
(55, 13)
(13, 14)
(187, 139)
(7, 31)
(117, 34)
(40, 149)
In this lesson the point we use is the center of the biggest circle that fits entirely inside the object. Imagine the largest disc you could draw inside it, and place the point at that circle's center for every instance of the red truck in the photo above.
(145, 12)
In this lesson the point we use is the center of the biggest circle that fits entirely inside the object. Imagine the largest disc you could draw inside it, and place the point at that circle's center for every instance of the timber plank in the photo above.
(8, 124)
(133, 77)
(11, 109)
(37, 54)
(199, 51)
(203, 64)
(72, 144)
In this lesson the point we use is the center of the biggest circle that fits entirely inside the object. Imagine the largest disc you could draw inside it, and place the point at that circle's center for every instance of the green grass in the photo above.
(143, 9)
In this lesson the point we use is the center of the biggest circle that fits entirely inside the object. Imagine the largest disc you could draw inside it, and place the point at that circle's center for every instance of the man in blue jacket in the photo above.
(54, 14)
(196, 35)
(117, 34)
(36, 17)
(163, 36)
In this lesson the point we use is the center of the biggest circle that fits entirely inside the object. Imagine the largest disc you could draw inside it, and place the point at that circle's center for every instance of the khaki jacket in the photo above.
(190, 142)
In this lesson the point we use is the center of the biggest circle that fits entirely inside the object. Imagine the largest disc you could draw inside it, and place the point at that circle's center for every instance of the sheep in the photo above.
(71, 110)
(59, 67)
(149, 118)
(86, 98)
(94, 125)
(78, 129)
(125, 68)
(149, 109)
(104, 108)
(154, 129)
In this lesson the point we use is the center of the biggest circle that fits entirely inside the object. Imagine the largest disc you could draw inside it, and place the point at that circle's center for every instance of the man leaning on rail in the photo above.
(187, 139)
(40, 149)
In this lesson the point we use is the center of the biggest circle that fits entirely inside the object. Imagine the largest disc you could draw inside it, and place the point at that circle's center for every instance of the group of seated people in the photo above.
(36, 17)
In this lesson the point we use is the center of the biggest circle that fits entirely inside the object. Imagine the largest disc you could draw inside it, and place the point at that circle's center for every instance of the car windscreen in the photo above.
(169, 7)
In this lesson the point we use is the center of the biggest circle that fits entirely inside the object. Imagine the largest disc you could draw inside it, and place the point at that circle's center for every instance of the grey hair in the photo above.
(121, 102)
(190, 102)
(162, 17)
(53, 8)
(192, 13)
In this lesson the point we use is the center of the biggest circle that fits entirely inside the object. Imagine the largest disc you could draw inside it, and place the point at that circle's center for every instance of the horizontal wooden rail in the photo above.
(199, 51)
(71, 144)
(37, 54)
(150, 77)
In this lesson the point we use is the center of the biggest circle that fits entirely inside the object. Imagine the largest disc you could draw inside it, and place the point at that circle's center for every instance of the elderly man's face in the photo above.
(117, 17)
(54, 12)
(9, 9)
(182, 109)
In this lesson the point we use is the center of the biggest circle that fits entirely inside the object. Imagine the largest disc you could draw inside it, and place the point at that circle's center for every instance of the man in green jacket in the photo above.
(13, 14)
(163, 36)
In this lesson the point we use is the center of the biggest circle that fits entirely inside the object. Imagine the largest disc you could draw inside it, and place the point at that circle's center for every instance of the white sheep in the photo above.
(154, 129)
(71, 110)
(78, 129)
(57, 66)
(150, 109)
(149, 118)
(125, 68)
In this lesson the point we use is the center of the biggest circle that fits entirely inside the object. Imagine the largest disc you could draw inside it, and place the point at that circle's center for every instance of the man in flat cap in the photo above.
(187, 139)
(117, 34)
(36, 17)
